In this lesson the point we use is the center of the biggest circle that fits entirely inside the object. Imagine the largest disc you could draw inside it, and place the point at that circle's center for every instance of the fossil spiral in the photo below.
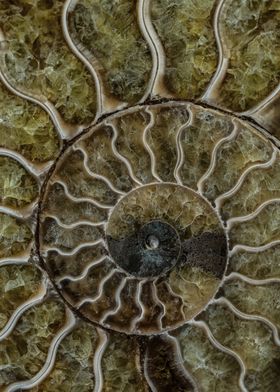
(139, 195)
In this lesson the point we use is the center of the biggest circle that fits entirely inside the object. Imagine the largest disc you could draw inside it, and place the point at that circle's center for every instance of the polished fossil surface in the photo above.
(139, 195)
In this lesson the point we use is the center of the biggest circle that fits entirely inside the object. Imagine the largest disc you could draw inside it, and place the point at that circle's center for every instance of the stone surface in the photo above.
(140, 131)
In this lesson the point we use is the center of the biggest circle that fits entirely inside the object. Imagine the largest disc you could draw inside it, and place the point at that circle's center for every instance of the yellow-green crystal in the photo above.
(252, 341)
(251, 32)
(18, 283)
(26, 128)
(25, 350)
(15, 236)
(213, 369)
(17, 187)
(108, 30)
(186, 33)
(74, 363)
(39, 62)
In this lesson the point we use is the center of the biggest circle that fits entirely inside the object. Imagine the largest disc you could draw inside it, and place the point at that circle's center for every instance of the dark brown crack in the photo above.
(163, 369)
(207, 251)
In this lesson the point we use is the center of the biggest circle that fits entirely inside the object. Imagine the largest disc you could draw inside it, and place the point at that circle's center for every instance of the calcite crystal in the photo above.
(139, 195)
(26, 129)
(38, 61)
(108, 31)
(187, 35)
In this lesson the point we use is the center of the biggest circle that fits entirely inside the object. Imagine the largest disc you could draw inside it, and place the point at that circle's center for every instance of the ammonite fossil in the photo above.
(140, 196)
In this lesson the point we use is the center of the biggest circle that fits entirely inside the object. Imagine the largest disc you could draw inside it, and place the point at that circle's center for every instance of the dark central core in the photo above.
(150, 251)
(165, 229)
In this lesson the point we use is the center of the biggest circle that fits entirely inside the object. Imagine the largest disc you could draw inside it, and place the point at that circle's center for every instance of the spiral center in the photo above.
(152, 242)
(126, 256)
(147, 252)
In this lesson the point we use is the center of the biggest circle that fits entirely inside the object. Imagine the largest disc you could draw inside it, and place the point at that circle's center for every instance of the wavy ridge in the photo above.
(46, 369)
